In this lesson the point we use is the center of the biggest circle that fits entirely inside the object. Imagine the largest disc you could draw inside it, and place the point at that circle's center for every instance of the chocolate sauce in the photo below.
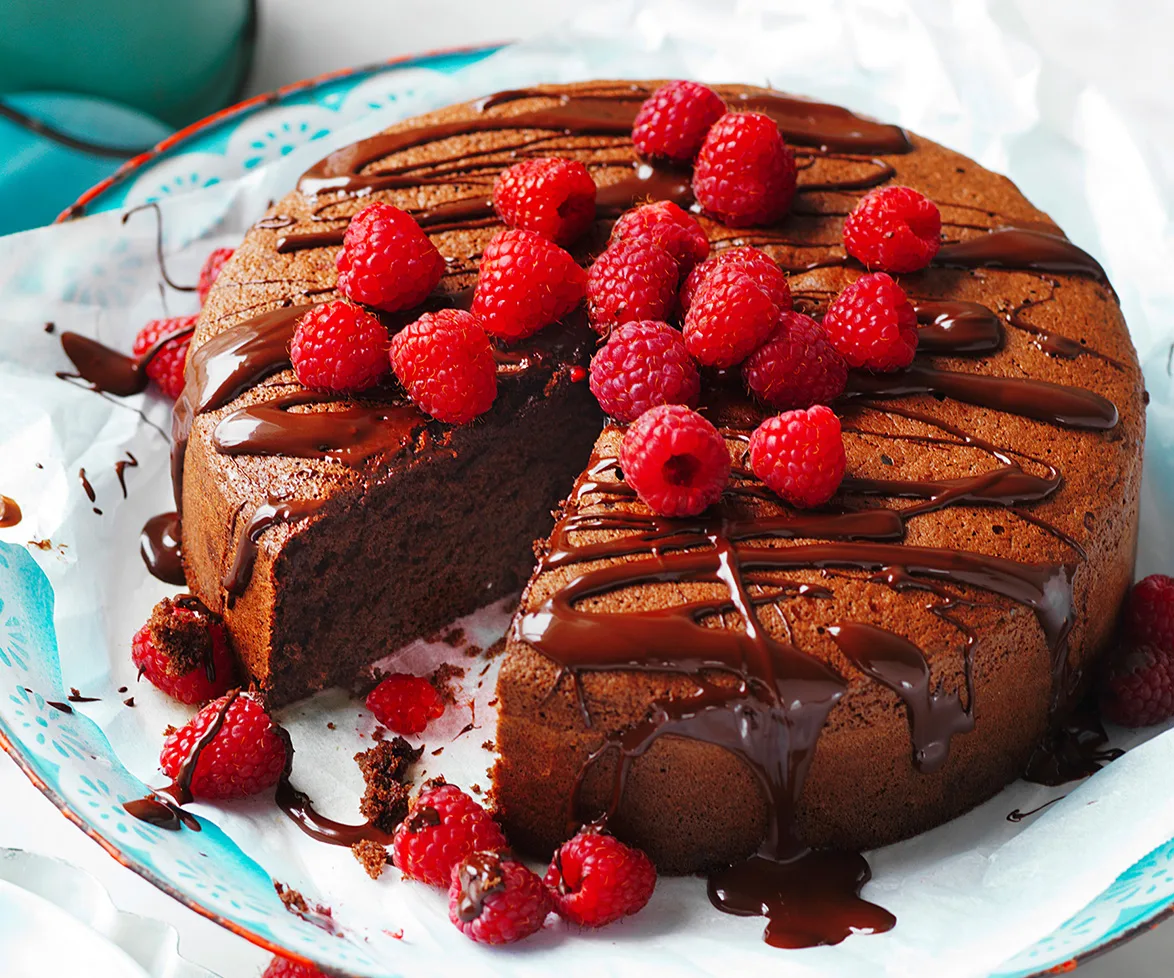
(1020, 248)
(120, 467)
(1017, 816)
(160, 547)
(297, 806)
(62, 707)
(1075, 749)
(481, 876)
(89, 489)
(9, 512)
(264, 516)
(108, 370)
(899, 665)
(1054, 344)
(76, 697)
(953, 327)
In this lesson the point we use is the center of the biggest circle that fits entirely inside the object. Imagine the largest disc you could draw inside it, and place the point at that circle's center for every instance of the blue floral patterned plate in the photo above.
(68, 756)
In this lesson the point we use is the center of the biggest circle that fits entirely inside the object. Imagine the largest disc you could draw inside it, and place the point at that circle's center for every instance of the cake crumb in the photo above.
(330, 725)
(438, 752)
(292, 900)
(372, 857)
(472, 651)
(442, 681)
(496, 648)
(384, 766)
(489, 745)
(169, 730)
(475, 788)
(454, 638)
(41, 544)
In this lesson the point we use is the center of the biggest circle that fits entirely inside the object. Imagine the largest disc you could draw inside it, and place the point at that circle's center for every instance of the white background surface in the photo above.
(1122, 46)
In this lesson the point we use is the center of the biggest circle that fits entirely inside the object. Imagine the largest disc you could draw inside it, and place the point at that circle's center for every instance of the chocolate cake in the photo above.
(754, 680)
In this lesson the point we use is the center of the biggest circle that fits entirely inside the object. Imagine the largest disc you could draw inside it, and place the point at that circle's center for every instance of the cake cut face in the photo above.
(726, 689)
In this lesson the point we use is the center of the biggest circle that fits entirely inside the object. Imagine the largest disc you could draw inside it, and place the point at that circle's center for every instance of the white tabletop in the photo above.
(302, 38)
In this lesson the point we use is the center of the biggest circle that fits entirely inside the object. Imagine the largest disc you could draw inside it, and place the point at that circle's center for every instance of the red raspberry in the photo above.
(633, 280)
(405, 704)
(443, 827)
(675, 460)
(166, 367)
(494, 899)
(800, 455)
(446, 364)
(285, 968)
(386, 261)
(745, 174)
(893, 229)
(338, 346)
(640, 366)
(246, 756)
(211, 269)
(797, 367)
(1149, 612)
(1138, 689)
(755, 263)
(729, 317)
(596, 879)
(665, 225)
(552, 197)
(872, 324)
(525, 282)
(183, 651)
(673, 121)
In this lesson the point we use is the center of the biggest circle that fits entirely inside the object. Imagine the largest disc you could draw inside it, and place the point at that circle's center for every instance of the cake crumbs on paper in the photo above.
(496, 648)
(290, 898)
(489, 745)
(454, 638)
(330, 725)
(472, 651)
(442, 681)
(373, 857)
(385, 766)
(475, 788)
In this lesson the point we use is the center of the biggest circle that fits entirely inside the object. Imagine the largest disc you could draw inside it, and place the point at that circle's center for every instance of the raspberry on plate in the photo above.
(675, 459)
(183, 651)
(443, 827)
(872, 324)
(797, 367)
(281, 967)
(386, 260)
(665, 225)
(1149, 612)
(640, 366)
(245, 756)
(632, 280)
(673, 120)
(210, 270)
(525, 282)
(730, 316)
(1138, 688)
(552, 197)
(745, 173)
(754, 262)
(405, 704)
(445, 362)
(494, 899)
(800, 455)
(167, 366)
(596, 879)
(893, 229)
(340, 347)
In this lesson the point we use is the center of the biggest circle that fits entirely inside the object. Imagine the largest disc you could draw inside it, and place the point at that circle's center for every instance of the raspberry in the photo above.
(405, 704)
(800, 455)
(674, 119)
(745, 174)
(596, 879)
(872, 324)
(443, 827)
(1149, 612)
(893, 229)
(729, 317)
(386, 261)
(247, 754)
(552, 197)
(286, 968)
(183, 651)
(757, 264)
(338, 346)
(494, 899)
(446, 364)
(166, 367)
(640, 366)
(665, 225)
(525, 283)
(797, 367)
(675, 460)
(1138, 689)
(632, 280)
(211, 269)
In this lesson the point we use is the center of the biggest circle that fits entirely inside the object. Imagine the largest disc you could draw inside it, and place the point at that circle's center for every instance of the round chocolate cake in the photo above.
(757, 679)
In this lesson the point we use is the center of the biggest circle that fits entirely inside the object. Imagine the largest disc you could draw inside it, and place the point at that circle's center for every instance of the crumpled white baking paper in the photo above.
(968, 896)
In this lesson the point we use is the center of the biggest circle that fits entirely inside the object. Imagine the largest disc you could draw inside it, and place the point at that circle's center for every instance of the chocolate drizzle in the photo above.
(480, 877)
(108, 370)
(160, 546)
(1022, 248)
(954, 328)
(264, 516)
(9, 512)
(297, 805)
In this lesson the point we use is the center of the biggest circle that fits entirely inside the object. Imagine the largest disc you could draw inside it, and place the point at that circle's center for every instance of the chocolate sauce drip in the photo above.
(1054, 344)
(108, 370)
(1069, 407)
(275, 222)
(76, 697)
(120, 467)
(89, 489)
(264, 516)
(953, 327)
(9, 512)
(288, 243)
(881, 172)
(297, 805)
(160, 547)
(899, 665)
(1074, 750)
(1017, 816)
(481, 876)
(1021, 248)
(63, 707)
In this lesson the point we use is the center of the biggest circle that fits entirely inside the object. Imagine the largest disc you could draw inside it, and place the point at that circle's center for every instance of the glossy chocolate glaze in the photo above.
(108, 370)
(297, 805)
(480, 877)
(10, 513)
(160, 547)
